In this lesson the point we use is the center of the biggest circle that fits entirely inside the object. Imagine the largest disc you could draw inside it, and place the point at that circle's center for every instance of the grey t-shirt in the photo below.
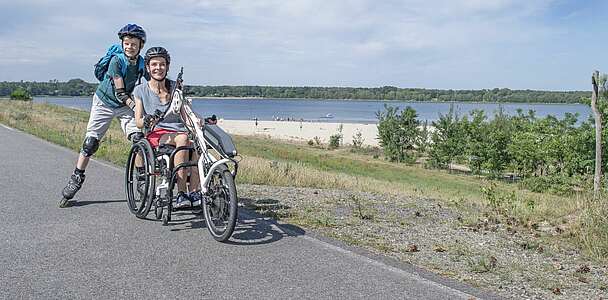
(151, 103)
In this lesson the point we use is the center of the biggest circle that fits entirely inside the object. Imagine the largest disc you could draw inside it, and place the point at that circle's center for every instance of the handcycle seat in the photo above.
(219, 140)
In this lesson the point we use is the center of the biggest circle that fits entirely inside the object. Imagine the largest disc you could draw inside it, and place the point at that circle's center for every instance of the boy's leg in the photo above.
(129, 128)
(99, 122)
(127, 123)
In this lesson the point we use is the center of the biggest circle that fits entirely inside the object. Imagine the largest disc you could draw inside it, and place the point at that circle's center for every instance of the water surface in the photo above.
(339, 111)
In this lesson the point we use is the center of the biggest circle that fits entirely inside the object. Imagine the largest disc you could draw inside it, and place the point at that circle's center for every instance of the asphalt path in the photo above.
(97, 249)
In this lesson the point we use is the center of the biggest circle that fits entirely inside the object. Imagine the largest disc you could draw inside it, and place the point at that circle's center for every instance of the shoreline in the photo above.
(302, 131)
(298, 130)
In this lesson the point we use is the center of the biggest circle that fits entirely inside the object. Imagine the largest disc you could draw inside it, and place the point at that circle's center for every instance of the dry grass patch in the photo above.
(592, 231)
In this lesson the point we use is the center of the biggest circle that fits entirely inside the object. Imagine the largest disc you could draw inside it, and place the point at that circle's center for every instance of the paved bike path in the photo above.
(97, 249)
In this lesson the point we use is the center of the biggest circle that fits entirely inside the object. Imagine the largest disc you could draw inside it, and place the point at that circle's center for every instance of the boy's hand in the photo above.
(124, 97)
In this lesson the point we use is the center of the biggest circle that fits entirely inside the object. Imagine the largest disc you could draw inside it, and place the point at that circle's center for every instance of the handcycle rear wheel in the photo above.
(140, 187)
(221, 207)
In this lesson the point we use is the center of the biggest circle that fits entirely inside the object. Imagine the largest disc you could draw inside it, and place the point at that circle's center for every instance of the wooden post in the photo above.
(598, 134)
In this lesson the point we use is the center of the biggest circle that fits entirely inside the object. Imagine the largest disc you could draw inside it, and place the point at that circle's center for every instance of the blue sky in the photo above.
(458, 44)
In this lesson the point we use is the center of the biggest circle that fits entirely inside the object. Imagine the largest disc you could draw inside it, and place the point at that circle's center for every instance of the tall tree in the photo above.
(596, 81)
(448, 139)
(398, 132)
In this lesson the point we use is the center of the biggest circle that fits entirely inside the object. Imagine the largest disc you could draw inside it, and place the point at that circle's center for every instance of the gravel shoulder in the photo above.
(516, 263)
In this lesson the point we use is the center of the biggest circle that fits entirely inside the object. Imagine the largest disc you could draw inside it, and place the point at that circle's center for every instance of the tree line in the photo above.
(78, 87)
(545, 153)
(390, 93)
(73, 87)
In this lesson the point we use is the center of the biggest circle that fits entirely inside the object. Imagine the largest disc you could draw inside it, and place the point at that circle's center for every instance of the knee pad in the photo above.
(135, 137)
(89, 146)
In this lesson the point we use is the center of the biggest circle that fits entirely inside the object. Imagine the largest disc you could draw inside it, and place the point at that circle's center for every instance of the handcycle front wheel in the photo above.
(221, 207)
(140, 187)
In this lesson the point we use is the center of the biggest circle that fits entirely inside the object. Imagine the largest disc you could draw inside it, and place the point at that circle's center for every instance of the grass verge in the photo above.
(280, 163)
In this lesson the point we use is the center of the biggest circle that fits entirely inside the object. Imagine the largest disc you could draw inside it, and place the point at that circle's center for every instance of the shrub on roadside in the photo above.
(21, 94)
(557, 184)
(398, 132)
(358, 140)
(335, 141)
(317, 140)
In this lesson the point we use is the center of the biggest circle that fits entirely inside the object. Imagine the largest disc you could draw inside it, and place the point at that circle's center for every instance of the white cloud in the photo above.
(370, 48)
(404, 25)
(299, 41)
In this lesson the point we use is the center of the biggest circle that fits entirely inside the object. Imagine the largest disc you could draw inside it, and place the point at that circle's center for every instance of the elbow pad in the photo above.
(121, 95)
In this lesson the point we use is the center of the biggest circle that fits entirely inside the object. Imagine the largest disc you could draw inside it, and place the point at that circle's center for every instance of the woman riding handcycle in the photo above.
(167, 155)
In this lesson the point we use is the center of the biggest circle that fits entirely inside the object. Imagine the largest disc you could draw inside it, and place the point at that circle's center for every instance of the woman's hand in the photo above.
(149, 121)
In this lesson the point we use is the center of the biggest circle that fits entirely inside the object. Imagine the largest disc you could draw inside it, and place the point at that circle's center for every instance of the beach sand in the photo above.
(301, 131)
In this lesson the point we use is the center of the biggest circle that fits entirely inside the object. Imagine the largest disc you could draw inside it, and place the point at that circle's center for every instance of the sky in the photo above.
(443, 44)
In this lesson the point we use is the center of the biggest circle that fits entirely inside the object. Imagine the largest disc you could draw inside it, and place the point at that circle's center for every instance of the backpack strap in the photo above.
(140, 68)
(124, 62)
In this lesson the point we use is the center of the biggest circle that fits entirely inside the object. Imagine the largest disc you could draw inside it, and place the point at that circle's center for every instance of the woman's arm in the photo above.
(139, 113)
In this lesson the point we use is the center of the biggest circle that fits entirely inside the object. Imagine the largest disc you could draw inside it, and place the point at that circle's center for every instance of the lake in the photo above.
(338, 111)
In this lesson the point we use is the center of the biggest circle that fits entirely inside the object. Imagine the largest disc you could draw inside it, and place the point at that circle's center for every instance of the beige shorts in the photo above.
(101, 117)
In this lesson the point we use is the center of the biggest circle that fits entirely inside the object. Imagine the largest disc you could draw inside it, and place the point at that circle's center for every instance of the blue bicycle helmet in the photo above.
(132, 30)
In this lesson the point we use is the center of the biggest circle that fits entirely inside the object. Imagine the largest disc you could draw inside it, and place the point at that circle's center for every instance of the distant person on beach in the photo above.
(111, 99)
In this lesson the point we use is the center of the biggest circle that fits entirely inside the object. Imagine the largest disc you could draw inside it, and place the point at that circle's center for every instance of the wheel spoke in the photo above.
(221, 212)
(139, 185)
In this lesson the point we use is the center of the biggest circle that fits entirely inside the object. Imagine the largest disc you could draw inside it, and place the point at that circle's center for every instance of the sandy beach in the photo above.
(301, 131)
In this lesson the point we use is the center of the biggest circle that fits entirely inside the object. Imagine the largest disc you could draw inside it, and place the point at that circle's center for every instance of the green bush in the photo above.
(448, 140)
(334, 141)
(21, 94)
(398, 133)
(562, 185)
(358, 140)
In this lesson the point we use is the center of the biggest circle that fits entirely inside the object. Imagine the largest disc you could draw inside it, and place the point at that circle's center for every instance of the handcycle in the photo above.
(216, 153)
